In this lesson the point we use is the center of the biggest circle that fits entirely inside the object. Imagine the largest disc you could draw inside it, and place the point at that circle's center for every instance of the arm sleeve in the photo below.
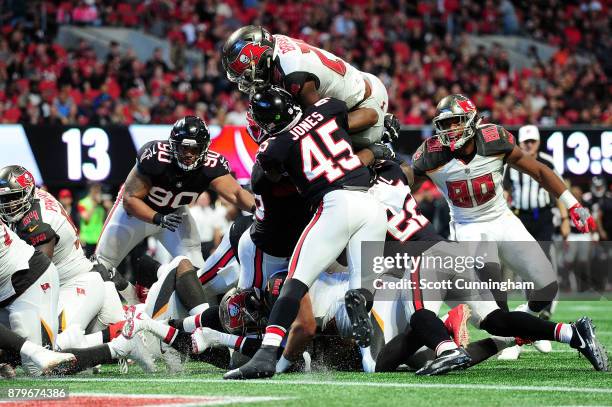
(37, 233)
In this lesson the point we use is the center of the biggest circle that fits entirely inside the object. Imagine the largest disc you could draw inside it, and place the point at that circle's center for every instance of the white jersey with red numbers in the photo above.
(47, 220)
(473, 189)
(14, 256)
(334, 77)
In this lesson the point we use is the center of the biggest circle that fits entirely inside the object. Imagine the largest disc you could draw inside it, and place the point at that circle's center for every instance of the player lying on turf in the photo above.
(253, 58)
(168, 176)
(40, 220)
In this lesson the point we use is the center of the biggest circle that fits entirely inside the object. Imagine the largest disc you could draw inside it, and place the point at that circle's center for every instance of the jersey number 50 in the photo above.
(483, 190)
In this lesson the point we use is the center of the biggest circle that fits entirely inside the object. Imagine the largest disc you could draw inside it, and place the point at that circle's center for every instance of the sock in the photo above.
(191, 323)
(10, 340)
(397, 351)
(521, 324)
(283, 364)
(249, 346)
(164, 332)
(189, 290)
(112, 331)
(444, 346)
(90, 357)
(284, 311)
(564, 333)
(483, 349)
(430, 330)
(198, 309)
(182, 343)
(94, 339)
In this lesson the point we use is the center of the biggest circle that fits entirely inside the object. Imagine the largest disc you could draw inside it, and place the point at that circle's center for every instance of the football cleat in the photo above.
(452, 359)
(136, 321)
(361, 324)
(204, 338)
(261, 365)
(135, 349)
(511, 353)
(44, 361)
(7, 371)
(586, 343)
(456, 324)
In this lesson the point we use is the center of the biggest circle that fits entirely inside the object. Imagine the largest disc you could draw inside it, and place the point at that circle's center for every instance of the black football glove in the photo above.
(381, 151)
(392, 128)
(170, 221)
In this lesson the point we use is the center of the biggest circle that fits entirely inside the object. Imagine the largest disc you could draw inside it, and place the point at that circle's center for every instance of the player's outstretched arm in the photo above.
(136, 187)
(228, 188)
(553, 184)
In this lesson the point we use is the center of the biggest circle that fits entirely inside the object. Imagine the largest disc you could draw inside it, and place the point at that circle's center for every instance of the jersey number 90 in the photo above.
(162, 197)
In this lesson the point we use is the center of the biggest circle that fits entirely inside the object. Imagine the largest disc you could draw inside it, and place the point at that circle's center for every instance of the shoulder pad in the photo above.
(430, 155)
(153, 157)
(492, 139)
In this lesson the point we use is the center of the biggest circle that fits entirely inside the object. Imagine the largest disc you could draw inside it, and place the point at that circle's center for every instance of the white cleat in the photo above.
(40, 360)
(136, 321)
(204, 338)
(543, 346)
(135, 349)
(511, 353)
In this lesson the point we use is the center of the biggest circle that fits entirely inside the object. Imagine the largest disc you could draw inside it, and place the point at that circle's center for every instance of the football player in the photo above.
(168, 176)
(313, 148)
(465, 159)
(407, 224)
(254, 58)
(40, 220)
(29, 290)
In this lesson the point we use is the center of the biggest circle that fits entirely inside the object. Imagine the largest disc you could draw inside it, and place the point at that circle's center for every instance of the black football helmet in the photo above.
(247, 57)
(189, 141)
(274, 110)
(241, 311)
(16, 192)
(451, 111)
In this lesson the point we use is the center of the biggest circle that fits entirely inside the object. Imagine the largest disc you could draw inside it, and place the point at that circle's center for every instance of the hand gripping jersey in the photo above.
(14, 256)
(405, 221)
(297, 62)
(316, 153)
(473, 189)
(280, 218)
(47, 220)
(171, 186)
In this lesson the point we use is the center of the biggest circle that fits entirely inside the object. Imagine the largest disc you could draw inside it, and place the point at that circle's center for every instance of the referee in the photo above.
(530, 202)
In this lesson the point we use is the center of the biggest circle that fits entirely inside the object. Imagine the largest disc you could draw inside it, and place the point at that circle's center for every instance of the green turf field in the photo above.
(558, 379)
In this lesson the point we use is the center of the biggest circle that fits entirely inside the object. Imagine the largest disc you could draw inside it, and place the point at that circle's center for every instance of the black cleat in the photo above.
(452, 359)
(586, 343)
(261, 365)
(361, 324)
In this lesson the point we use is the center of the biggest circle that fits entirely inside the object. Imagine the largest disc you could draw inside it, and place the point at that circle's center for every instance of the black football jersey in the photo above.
(316, 153)
(280, 218)
(405, 221)
(171, 186)
(490, 140)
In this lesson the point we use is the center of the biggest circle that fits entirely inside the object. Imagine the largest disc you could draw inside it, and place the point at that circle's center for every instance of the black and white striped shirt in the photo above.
(527, 194)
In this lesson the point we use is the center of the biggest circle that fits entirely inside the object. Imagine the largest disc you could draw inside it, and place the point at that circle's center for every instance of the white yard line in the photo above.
(446, 386)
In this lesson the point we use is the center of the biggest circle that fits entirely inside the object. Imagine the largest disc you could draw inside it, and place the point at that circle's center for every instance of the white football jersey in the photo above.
(473, 190)
(46, 220)
(334, 77)
(14, 256)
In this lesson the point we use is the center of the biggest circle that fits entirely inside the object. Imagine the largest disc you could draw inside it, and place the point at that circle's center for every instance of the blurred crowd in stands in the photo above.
(420, 49)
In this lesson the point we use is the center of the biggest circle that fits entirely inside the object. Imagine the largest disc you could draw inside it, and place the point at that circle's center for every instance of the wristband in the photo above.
(157, 218)
(568, 199)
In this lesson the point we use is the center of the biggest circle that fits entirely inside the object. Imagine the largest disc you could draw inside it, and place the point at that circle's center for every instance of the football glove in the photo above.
(170, 221)
(392, 128)
(582, 218)
(381, 151)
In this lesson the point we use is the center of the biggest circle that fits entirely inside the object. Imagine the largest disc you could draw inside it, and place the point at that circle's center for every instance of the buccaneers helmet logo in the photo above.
(251, 52)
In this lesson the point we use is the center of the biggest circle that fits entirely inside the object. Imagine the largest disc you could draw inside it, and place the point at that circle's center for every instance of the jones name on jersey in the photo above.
(473, 189)
(171, 187)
